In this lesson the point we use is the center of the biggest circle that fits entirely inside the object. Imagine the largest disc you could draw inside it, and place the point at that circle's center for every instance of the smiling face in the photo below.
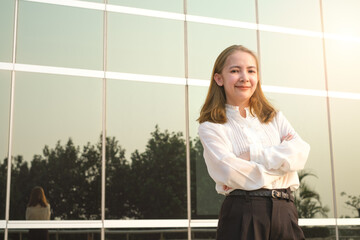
(239, 78)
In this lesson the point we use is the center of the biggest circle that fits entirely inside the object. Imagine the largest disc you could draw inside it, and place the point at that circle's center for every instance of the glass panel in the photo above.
(6, 30)
(203, 233)
(284, 65)
(344, 119)
(301, 14)
(57, 128)
(229, 9)
(311, 124)
(349, 232)
(161, 5)
(60, 36)
(146, 120)
(204, 47)
(319, 232)
(55, 234)
(148, 234)
(342, 65)
(5, 88)
(341, 17)
(145, 45)
(205, 200)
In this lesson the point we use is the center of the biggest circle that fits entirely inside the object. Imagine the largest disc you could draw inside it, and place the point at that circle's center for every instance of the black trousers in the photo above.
(258, 218)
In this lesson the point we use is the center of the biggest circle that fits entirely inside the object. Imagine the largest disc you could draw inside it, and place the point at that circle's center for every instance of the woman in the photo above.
(251, 152)
(38, 209)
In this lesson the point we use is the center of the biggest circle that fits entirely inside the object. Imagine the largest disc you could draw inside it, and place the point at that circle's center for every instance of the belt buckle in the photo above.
(275, 194)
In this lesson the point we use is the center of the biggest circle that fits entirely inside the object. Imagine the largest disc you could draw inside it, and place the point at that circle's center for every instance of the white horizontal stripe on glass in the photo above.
(6, 66)
(58, 70)
(348, 221)
(156, 223)
(145, 78)
(203, 223)
(73, 3)
(198, 82)
(145, 12)
(198, 19)
(2, 224)
(221, 22)
(153, 223)
(164, 79)
(297, 91)
(75, 224)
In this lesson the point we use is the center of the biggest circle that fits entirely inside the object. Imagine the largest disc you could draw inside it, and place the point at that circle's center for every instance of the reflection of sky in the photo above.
(49, 108)
(4, 112)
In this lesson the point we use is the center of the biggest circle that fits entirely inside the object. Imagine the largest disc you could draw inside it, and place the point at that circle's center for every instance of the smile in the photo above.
(242, 87)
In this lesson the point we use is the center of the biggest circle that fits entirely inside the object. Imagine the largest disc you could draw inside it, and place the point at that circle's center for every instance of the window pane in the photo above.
(344, 119)
(283, 64)
(229, 9)
(161, 5)
(57, 128)
(148, 234)
(301, 14)
(145, 126)
(145, 45)
(5, 85)
(205, 200)
(6, 30)
(319, 232)
(204, 47)
(341, 17)
(78, 234)
(310, 123)
(342, 65)
(60, 36)
(349, 232)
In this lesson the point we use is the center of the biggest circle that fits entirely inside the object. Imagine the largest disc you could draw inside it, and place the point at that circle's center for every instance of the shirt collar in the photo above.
(233, 111)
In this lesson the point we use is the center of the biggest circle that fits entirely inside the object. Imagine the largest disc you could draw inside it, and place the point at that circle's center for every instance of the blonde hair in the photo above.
(213, 109)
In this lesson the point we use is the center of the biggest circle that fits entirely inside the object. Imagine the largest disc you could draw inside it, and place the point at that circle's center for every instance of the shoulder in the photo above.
(210, 127)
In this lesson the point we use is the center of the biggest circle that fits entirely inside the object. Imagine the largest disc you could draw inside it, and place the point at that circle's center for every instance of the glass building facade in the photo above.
(99, 101)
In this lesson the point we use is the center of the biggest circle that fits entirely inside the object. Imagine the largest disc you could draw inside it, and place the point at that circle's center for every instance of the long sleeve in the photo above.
(288, 156)
(227, 169)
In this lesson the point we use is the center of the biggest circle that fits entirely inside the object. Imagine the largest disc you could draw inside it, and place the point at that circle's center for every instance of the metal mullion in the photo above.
(11, 120)
(187, 125)
(329, 121)
(103, 156)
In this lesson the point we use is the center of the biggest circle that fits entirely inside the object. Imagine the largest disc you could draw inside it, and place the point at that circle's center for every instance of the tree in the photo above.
(308, 201)
(353, 202)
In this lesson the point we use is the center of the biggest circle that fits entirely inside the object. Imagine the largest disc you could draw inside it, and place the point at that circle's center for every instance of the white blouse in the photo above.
(273, 164)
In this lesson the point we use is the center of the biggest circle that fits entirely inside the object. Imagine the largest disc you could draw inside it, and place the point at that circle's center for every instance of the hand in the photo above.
(245, 156)
(287, 137)
(226, 188)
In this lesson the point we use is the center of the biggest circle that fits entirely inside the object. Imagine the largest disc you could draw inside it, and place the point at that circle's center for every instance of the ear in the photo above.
(218, 79)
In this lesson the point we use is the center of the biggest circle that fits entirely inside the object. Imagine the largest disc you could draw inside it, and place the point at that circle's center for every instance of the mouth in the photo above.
(243, 87)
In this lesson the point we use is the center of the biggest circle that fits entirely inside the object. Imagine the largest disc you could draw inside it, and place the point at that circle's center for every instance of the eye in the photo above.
(252, 71)
(234, 71)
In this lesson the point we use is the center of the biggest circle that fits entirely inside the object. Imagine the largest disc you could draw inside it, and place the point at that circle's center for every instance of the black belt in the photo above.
(277, 194)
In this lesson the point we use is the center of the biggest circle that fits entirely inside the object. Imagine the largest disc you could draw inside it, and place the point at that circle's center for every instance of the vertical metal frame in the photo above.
(11, 121)
(104, 134)
(187, 124)
(329, 121)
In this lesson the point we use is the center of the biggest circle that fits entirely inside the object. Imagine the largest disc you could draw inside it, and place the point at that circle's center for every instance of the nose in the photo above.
(243, 76)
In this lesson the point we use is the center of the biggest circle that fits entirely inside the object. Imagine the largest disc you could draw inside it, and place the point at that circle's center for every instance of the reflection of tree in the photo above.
(151, 185)
(159, 177)
(353, 202)
(307, 201)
